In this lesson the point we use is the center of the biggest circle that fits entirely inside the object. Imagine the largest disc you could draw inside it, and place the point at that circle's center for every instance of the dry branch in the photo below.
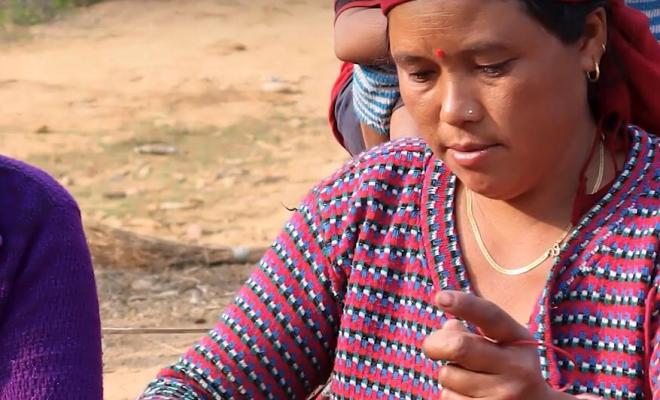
(119, 248)
(153, 331)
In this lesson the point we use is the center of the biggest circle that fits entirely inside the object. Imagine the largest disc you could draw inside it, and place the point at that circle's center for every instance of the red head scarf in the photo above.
(629, 88)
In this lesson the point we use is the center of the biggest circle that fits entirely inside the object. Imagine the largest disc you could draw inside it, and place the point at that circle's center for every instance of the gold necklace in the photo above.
(553, 251)
(601, 169)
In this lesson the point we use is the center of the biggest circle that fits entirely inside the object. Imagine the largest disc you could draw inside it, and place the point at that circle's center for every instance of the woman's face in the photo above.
(498, 98)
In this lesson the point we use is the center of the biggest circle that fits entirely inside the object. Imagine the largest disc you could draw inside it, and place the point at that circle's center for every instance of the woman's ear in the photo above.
(594, 39)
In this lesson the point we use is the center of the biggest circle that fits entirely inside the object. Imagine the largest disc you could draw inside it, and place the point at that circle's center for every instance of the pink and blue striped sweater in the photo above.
(344, 295)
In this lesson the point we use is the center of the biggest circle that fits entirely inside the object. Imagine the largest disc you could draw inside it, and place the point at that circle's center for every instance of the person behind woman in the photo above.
(50, 333)
(531, 211)
(366, 107)
(652, 9)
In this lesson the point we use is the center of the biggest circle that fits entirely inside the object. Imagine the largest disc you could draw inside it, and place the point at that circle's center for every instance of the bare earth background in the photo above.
(190, 120)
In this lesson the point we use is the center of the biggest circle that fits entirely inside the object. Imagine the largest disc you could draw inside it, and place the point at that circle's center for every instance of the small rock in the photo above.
(119, 176)
(172, 205)
(208, 231)
(158, 149)
(269, 179)
(144, 172)
(278, 85)
(175, 205)
(239, 47)
(195, 297)
(232, 172)
(114, 195)
(67, 181)
(43, 129)
(241, 253)
(166, 294)
(195, 202)
(141, 285)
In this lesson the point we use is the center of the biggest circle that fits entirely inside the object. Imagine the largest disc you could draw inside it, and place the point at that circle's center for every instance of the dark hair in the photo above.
(565, 19)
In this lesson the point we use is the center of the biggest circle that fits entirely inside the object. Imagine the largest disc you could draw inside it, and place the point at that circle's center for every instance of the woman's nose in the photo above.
(459, 106)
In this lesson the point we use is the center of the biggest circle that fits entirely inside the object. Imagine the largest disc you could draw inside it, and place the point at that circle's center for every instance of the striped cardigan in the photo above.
(345, 293)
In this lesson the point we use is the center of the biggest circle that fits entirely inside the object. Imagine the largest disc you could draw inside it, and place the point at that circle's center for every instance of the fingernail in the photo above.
(444, 299)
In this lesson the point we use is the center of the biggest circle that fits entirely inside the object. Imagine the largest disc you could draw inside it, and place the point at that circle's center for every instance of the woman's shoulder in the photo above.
(631, 210)
(642, 138)
(383, 170)
(643, 162)
(28, 189)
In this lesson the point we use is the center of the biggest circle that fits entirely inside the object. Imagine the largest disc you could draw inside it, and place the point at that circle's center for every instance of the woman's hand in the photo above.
(485, 368)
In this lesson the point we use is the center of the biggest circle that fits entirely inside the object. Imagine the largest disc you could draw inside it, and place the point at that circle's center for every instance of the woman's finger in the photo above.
(455, 326)
(493, 322)
(447, 394)
(466, 349)
(467, 383)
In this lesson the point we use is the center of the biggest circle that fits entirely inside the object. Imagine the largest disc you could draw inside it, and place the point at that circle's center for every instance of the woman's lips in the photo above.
(470, 156)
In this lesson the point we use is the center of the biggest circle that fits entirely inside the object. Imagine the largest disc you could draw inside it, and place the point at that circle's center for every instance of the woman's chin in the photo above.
(485, 185)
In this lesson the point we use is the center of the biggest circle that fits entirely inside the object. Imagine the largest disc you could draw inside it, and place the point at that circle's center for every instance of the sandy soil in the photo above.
(234, 93)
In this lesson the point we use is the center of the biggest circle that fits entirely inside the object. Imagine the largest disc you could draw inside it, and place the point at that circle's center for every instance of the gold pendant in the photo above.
(555, 250)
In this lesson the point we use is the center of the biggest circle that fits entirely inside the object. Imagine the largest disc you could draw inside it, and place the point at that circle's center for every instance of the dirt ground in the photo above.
(195, 121)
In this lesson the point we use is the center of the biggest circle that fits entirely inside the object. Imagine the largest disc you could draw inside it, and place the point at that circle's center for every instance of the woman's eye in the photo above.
(495, 70)
(421, 76)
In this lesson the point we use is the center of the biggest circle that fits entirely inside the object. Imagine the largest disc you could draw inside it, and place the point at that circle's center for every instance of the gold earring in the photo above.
(594, 76)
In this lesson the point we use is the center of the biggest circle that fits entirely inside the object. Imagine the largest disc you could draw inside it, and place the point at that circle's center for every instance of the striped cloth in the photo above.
(346, 291)
(375, 93)
(652, 9)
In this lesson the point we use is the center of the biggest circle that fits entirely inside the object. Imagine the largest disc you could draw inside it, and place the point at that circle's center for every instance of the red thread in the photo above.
(536, 343)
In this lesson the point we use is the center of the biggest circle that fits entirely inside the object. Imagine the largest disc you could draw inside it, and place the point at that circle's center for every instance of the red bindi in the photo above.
(440, 53)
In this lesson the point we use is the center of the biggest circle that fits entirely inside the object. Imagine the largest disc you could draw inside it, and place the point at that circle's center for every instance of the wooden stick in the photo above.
(153, 331)
(119, 248)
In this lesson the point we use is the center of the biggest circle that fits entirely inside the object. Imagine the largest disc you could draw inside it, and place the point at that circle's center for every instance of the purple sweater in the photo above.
(50, 331)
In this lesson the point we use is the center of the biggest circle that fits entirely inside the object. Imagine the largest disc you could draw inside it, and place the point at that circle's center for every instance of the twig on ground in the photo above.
(153, 331)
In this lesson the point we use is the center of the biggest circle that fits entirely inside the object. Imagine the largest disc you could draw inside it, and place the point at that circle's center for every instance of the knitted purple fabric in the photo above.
(50, 331)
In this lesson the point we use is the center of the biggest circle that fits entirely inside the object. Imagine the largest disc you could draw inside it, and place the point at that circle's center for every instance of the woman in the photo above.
(531, 214)
(50, 331)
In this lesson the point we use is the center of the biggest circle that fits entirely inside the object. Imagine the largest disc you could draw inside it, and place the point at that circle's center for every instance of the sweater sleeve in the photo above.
(50, 345)
(277, 339)
(653, 303)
